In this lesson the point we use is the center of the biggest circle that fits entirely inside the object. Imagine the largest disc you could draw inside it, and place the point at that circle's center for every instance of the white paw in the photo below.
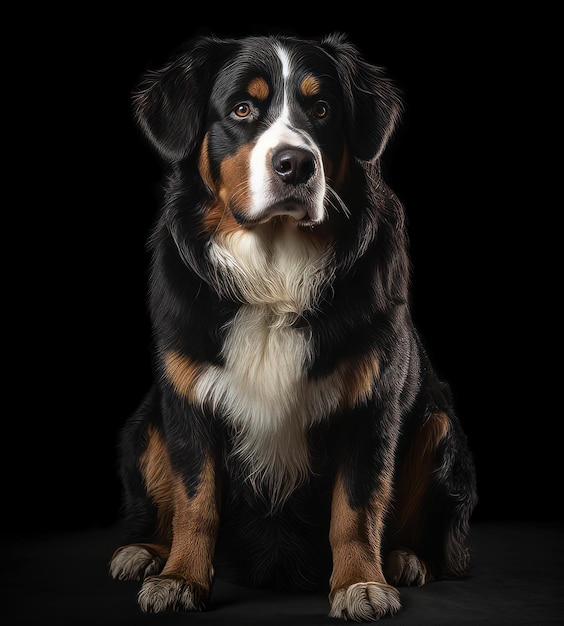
(365, 602)
(134, 563)
(168, 593)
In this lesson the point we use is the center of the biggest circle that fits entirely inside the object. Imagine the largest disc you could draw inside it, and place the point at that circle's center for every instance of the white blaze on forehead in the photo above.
(285, 60)
(280, 132)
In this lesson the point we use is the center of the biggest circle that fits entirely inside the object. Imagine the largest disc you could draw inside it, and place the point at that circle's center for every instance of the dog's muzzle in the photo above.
(296, 185)
(287, 179)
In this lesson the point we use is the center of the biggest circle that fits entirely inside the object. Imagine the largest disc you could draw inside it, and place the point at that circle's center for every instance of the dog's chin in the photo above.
(286, 212)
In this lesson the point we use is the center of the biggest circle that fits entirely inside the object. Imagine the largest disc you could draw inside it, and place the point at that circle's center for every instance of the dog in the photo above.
(296, 435)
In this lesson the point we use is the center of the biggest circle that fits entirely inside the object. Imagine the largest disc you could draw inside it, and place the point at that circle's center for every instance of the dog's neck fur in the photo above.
(277, 266)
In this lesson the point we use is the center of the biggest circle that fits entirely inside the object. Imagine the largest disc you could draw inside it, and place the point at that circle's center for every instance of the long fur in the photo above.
(296, 434)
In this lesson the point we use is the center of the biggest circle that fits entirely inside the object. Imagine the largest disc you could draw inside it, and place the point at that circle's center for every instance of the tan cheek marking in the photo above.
(182, 372)
(258, 88)
(219, 219)
(343, 173)
(339, 178)
(204, 164)
(234, 187)
(159, 481)
(196, 521)
(355, 536)
(310, 86)
(414, 476)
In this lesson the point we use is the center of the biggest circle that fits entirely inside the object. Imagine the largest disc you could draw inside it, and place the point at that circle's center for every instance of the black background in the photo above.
(469, 162)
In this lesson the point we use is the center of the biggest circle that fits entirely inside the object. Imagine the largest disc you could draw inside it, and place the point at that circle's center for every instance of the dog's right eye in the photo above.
(243, 109)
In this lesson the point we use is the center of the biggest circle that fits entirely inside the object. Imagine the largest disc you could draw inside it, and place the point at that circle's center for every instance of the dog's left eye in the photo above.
(320, 109)
(243, 109)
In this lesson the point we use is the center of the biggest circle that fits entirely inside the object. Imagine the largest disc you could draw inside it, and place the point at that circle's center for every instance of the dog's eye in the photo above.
(321, 109)
(243, 109)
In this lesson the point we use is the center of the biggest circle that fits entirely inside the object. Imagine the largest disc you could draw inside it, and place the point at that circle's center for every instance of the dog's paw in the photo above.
(365, 602)
(171, 593)
(134, 562)
(403, 567)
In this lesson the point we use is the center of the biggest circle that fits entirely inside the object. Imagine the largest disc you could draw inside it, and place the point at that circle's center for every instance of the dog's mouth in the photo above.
(290, 210)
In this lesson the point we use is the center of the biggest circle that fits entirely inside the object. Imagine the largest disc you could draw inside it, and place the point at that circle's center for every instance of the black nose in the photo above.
(293, 165)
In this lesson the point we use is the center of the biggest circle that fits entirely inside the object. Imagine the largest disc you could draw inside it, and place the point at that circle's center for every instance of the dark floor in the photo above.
(63, 579)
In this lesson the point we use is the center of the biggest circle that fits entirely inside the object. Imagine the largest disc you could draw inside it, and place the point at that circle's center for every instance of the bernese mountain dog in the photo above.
(296, 435)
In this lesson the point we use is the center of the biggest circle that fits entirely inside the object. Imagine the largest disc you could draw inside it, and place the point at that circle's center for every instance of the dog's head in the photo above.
(271, 124)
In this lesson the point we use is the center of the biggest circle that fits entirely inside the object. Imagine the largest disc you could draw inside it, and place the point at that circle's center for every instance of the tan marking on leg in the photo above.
(414, 477)
(195, 525)
(157, 474)
(355, 536)
(135, 561)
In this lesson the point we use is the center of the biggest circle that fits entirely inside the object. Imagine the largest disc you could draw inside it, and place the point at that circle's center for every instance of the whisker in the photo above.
(333, 196)
(240, 191)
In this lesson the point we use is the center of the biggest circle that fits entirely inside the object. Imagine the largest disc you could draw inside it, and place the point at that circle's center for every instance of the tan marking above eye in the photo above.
(258, 88)
(310, 86)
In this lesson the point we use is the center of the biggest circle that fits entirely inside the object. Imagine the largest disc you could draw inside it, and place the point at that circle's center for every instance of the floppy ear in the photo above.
(170, 103)
(373, 104)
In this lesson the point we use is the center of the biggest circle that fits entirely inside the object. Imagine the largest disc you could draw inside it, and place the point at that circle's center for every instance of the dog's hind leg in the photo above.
(434, 496)
(171, 526)
(147, 540)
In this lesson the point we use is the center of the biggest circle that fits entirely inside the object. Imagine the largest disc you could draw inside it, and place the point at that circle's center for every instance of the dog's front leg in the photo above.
(186, 580)
(359, 591)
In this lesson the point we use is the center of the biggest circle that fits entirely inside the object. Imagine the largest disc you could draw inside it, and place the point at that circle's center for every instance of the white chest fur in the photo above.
(262, 388)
